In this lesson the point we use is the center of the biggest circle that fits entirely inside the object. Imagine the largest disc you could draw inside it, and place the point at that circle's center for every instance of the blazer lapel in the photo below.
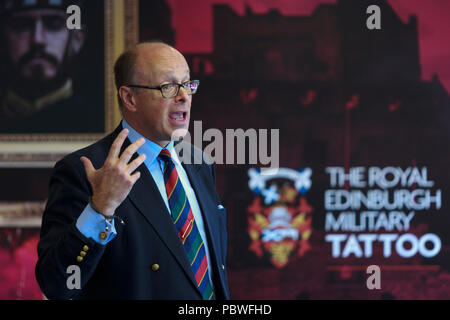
(146, 197)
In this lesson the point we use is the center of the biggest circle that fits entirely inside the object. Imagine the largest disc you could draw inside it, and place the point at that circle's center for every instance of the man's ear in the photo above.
(127, 96)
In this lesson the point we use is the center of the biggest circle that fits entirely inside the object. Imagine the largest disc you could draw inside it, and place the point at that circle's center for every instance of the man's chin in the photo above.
(36, 85)
(178, 134)
(39, 76)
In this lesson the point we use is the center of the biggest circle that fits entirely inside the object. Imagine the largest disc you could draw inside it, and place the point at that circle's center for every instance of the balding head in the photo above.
(141, 72)
(140, 62)
(150, 56)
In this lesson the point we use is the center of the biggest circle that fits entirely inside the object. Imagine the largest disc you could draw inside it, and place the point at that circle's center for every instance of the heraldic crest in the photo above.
(279, 218)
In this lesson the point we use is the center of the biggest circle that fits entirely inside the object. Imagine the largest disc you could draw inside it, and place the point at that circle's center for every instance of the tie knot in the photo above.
(165, 155)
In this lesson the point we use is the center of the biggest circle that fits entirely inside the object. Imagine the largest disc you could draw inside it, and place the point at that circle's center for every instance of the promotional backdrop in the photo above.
(363, 119)
(363, 124)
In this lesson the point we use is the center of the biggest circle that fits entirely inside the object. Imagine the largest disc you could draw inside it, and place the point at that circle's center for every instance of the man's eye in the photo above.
(54, 23)
(21, 24)
(167, 86)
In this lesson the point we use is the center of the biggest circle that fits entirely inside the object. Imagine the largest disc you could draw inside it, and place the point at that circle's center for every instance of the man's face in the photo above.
(157, 117)
(37, 42)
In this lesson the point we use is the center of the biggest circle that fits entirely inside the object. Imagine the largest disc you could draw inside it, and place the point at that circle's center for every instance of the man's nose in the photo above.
(39, 33)
(182, 94)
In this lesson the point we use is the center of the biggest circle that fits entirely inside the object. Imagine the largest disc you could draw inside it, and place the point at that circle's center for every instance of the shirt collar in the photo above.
(149, 148)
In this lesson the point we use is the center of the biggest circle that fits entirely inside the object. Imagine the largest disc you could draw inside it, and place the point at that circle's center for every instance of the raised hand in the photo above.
(113, 182)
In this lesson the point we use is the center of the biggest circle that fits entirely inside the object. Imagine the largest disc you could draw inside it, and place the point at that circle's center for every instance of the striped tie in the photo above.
(186, 227)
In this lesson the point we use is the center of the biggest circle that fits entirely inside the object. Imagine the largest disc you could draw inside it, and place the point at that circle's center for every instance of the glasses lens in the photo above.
(193, 86)
(169, 90)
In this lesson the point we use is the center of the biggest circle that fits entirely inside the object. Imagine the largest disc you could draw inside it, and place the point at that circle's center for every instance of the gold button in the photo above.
(79, 259)
(85, 248)
(82, 253)
(102, 235)
(155, 267)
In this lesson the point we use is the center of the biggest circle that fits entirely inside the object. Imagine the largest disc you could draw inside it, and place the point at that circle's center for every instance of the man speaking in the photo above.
(137, 221)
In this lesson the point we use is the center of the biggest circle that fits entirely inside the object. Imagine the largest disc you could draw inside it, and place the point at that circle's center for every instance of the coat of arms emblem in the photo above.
(279, 218)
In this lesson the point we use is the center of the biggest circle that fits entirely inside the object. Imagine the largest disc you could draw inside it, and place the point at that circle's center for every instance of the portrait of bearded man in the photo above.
(40, 56)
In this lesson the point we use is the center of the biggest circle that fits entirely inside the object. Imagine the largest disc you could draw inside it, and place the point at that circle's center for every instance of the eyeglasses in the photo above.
(170, 90)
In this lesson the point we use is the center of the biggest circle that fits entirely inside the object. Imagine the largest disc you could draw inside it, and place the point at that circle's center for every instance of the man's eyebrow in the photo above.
(53, 15)
(31, 14)
(171, 76)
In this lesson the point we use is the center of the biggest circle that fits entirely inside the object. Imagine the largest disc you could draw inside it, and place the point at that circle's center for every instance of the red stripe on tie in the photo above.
(166, 152)
(184, 231)
(201, 271)
(172, 182)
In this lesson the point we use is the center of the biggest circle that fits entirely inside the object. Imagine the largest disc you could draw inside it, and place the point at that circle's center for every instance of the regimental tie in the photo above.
(186, 227)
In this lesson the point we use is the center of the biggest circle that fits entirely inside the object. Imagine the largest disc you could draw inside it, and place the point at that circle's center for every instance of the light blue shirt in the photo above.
(91, 223)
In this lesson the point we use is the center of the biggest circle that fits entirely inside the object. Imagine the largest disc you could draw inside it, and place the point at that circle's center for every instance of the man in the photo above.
(38, 53)
(172, 244)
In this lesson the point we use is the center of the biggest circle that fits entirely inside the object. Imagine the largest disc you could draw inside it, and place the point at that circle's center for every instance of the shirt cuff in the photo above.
(92, 224)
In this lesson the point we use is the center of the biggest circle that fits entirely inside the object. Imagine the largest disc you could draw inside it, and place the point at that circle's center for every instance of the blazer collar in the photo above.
(147, 199)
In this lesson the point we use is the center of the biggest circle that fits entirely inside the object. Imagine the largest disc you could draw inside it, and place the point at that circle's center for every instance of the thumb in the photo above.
(88, 167)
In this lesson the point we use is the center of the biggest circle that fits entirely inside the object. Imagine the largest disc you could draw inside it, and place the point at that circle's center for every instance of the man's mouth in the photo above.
(178, 116)
(33, 57)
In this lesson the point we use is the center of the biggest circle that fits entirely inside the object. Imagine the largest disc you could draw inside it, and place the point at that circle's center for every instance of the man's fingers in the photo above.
(117, 144)
(88, 167)
(133, 165)
(135, 176)
(130, 150)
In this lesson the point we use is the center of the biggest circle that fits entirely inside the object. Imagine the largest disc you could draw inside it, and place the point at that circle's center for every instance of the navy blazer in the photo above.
(146, 259)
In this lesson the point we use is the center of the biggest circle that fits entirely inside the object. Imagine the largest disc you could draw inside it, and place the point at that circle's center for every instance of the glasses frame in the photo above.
(179, 85)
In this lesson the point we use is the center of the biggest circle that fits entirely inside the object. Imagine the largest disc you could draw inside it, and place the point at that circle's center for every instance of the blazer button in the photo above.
(82, 253)
(85, 248)
(223, 267)
(79, 259)
(155, 267)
